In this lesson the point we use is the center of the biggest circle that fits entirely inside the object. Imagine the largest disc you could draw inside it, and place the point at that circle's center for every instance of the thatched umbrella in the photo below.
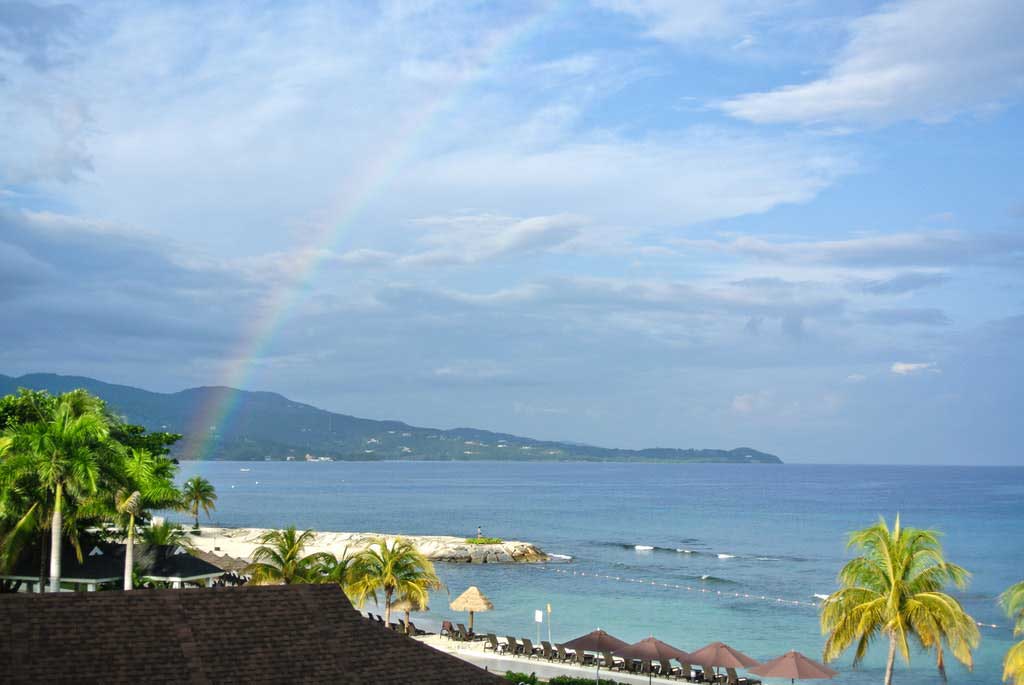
(795, 666)
(472, 600)
(407, 606)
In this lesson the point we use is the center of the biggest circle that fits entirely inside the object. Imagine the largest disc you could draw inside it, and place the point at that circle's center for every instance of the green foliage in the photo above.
(396, 569)
(199, 493)
(166, 533)
(895, 590)
(484, 541)
(64, 468)
(525, 678)
(136, 437)
(281, 559)
(1013, 603)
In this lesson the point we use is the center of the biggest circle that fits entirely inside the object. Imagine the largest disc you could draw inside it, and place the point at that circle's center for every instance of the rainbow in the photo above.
(213, 416)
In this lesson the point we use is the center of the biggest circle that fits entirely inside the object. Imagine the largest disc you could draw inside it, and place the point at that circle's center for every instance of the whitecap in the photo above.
(643, 548)
(560, 557)
(820, 596)
(726, 556)
(684, 551)
(705, 577)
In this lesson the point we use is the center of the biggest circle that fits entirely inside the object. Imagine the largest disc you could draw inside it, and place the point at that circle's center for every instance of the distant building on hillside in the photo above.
(250, 634)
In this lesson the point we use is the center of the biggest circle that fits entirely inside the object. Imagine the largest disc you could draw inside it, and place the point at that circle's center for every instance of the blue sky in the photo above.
(793, 225)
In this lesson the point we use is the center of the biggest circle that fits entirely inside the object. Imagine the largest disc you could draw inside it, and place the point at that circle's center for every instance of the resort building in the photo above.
(102, 564)
(250, 634)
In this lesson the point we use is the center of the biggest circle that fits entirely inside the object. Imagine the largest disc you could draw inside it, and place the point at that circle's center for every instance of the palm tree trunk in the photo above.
(407, 620)
(129, 553)
(44, 558)
(55, 529)
(941, 663)
(195, 512)
(891, 660)
(387, 606)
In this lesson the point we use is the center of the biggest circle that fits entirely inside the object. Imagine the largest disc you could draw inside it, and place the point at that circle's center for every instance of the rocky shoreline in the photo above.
(240, 543)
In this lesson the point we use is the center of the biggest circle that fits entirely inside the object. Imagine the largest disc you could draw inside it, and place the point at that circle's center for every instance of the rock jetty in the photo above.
(240, 542)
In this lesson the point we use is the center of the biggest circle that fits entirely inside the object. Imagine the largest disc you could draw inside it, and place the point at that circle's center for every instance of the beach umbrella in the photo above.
(795, 666)
(472, 600)
(719, 654)
(652, 649)
(407, 606)
(596, 641)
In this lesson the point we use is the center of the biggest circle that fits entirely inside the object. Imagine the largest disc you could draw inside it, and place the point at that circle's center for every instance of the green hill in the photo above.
(267, 425)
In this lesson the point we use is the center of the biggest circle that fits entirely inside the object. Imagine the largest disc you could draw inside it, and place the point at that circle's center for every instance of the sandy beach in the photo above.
(240, 543)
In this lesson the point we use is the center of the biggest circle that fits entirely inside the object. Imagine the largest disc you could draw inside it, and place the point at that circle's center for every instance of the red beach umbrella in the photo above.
(596, 641)
(719, 654)
(795, 666)
(652, 649)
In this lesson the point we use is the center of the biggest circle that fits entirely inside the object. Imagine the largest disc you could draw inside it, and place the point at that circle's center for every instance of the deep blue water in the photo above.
(784, 527)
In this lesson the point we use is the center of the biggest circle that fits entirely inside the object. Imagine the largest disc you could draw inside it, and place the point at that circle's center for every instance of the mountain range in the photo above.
(266, 425)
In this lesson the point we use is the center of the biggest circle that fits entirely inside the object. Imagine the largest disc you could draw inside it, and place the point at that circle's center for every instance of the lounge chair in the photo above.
(447, 630)
(686, 673)
(665, 669)
(529, 651)
(547, 651)
(514, 648)
(610, 662)
(467, 635)
(732, 679)
(582, 658)
(491, 642)
(563, 655)
(413, 630)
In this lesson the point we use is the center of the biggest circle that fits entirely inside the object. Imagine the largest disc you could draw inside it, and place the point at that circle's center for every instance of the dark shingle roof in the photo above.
(250, 634)
(103, 560)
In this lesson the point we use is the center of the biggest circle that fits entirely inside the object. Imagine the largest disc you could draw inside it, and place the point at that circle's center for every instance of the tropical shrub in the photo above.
(484, 541)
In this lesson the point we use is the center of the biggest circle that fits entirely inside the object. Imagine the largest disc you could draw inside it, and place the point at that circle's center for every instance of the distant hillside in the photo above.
(266, 425)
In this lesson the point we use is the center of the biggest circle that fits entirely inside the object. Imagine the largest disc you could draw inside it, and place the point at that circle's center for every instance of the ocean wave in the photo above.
(722, 555)
(643, 548)
(686, 551)
(708, 578)
(559, 557)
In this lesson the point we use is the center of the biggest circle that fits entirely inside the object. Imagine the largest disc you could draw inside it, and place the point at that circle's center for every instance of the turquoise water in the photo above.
(781, 531)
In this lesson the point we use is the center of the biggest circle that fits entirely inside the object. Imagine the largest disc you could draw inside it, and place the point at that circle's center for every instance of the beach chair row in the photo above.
(524, 647)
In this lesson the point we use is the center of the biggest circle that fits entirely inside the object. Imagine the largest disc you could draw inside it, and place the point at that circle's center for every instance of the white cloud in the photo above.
(683, 22)
(856, 378)
(911, 368)
(917, 59)
(749, 403)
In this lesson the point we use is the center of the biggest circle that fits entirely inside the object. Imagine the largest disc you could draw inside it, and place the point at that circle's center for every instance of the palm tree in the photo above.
(150, 480)
(1013, 602)
(165, 534)
(895, 590)
(338, 570)
(396, 568)
(199, 492)
(280, 559)
(60, 455)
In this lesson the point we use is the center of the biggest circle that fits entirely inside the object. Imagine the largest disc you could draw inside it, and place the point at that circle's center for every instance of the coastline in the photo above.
(241, 542)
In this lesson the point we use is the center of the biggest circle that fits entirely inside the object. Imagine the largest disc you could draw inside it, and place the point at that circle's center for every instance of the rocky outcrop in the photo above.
(240, 542)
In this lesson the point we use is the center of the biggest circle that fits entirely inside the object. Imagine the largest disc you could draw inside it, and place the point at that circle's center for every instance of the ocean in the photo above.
(760, 541)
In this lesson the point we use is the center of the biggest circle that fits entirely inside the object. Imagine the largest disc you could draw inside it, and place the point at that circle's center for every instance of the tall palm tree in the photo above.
(199, 492)
(395, 568)
(280, 558)
(150, 486)
(894, 590)
(61, 455)
(1013, 602)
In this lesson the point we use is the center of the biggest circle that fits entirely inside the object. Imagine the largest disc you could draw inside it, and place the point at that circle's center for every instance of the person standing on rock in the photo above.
(479, 532)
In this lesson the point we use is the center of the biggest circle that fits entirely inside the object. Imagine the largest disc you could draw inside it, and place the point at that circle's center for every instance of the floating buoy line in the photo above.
(698, 590)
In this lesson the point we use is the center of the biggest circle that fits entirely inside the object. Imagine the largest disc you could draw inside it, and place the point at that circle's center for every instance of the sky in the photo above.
(791, 225)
